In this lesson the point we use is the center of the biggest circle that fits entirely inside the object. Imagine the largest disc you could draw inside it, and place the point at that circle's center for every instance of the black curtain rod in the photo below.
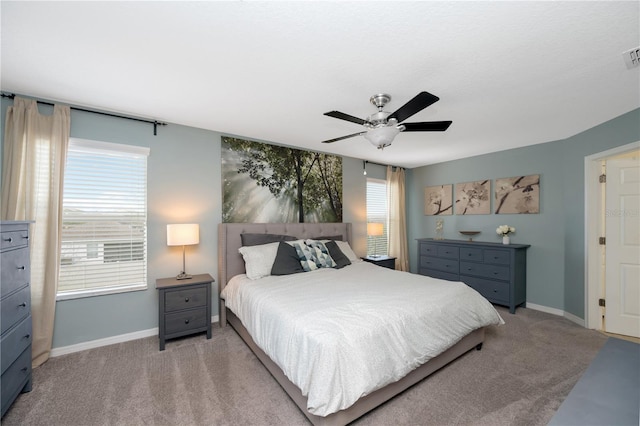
(383, 165)
(154, 122)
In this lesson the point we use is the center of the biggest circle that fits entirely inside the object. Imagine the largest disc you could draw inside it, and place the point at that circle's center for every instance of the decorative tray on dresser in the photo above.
(15, 312)
(497, 271)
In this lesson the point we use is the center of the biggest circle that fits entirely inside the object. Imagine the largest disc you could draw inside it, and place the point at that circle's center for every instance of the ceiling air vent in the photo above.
(632, 58)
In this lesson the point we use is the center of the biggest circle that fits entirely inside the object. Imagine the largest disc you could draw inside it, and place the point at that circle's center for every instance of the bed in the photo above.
(232, 272)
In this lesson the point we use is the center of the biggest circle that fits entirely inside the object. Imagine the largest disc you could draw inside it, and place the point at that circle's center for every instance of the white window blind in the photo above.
(104, 219)
(377, 213)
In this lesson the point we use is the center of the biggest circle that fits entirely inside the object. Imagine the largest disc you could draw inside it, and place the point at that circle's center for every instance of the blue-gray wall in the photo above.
(555, 273)
(184, 185)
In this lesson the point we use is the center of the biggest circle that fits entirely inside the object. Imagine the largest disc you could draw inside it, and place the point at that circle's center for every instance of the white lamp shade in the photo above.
(375, 229)
(183, 234)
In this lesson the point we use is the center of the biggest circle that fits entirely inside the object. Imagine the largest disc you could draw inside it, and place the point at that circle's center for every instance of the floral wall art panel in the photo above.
(438, 200)
(520, 194)
(473, 197)
(275, 184)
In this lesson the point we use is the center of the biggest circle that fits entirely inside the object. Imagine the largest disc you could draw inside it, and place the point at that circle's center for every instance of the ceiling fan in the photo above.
(382, 127)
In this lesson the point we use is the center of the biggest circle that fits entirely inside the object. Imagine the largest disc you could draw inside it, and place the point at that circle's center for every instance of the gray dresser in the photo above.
(497, 271)
(15, 312)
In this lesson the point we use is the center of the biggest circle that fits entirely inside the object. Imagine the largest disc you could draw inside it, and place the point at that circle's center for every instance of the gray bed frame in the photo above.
(231, 264)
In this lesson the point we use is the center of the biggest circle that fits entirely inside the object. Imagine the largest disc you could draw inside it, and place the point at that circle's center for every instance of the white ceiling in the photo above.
(508, 74)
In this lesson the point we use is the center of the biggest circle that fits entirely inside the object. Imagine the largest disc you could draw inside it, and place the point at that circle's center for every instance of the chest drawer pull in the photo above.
(186, 299)
(186, 321)
(9, 240)
(21, 268)
(26, 336)
(22, 305)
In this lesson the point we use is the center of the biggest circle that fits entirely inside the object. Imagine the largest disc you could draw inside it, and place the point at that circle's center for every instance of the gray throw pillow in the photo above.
(287, 261)
(337, 255)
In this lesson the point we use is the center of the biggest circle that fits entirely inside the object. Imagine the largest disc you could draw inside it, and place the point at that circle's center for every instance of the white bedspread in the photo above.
(340, 334)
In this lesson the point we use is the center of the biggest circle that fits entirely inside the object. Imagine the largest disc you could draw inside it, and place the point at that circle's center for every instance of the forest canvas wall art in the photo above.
(274, 184)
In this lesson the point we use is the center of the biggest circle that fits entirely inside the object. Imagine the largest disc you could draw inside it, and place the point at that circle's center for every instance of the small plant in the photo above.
(505, 230)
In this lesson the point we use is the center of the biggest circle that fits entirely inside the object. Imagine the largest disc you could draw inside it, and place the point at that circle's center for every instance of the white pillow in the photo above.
(346, 249)
(258, 260)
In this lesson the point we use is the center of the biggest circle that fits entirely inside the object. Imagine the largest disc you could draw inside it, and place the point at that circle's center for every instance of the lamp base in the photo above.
(183, 276)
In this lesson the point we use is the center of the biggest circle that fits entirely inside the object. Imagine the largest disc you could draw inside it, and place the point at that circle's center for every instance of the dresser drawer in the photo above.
(429, 249)
(473, 254)
(439, 264)
(15, 377)
(185, 298)
(14, 239)
(449, 252)
(15, 270)
(14, 308)
(501, 257)
(185, 321)
(14, 342)
(494, 291)
(496, 272)
(439, 274)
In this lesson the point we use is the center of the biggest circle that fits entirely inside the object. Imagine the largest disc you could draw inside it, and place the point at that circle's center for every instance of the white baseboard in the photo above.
(64, 350)
(555, 311)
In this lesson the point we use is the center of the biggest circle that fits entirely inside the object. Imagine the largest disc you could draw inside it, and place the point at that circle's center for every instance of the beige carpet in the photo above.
(520, 377)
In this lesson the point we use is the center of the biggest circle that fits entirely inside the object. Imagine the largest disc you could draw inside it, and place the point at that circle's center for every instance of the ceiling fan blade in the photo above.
(344, 137)
(343, 116)
(427, 126)
(415, 105)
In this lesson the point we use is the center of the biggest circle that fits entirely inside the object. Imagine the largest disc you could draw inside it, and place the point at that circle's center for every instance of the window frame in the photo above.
(378, 219)
(111, 150)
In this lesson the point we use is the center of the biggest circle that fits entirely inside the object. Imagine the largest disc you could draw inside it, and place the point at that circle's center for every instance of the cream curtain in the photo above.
(35, 152)
(397, 228)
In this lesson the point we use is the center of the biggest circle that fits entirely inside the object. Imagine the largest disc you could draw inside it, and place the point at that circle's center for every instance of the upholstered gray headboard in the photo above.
(230, 262)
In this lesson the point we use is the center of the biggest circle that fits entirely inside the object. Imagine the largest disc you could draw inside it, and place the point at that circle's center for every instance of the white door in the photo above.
(622, 231)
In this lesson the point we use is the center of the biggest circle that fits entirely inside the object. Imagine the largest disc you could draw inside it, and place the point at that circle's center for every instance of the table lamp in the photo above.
(183, 235)
(375, 230)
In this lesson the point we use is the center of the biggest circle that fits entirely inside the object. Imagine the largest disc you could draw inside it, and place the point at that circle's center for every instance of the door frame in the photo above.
(593, 205)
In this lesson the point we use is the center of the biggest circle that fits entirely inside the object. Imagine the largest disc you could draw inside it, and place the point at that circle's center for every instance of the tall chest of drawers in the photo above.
(497, 271)
(15, 312)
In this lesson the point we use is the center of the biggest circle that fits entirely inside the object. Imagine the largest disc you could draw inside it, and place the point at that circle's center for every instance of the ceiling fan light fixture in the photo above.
(381, 137)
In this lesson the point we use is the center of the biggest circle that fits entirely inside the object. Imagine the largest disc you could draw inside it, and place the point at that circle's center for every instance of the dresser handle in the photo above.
(22, 305)
(26, 336)
(186, 321)
(9, 240)
(21, 267)
(24, 369)
(186, 299)
(25, 237)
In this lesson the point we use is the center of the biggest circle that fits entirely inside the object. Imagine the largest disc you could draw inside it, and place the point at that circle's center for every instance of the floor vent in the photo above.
(632, 58)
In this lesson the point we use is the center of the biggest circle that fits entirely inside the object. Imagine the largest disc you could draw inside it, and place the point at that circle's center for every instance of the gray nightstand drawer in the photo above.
(14, 342)
(15, 271)
(185, 321)
(15, 307)
(495, 272)
(185, 298)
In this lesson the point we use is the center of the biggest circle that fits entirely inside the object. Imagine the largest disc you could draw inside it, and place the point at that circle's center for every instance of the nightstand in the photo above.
(384, 261)
(184, 307)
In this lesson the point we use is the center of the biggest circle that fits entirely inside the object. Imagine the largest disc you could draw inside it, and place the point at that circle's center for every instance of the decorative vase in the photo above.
(505, 239)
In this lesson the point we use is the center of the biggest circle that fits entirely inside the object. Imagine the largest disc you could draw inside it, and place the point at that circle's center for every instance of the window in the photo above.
(104, 219)
(377, 213)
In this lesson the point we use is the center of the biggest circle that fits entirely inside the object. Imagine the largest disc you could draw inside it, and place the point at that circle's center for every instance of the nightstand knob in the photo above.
(186, 299)
(22, 305)
(186, 321)
(9, 240)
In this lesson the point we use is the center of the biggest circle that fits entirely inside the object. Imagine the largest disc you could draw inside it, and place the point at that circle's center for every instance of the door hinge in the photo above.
(601, 302)
(602, 240)
(602, 178)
